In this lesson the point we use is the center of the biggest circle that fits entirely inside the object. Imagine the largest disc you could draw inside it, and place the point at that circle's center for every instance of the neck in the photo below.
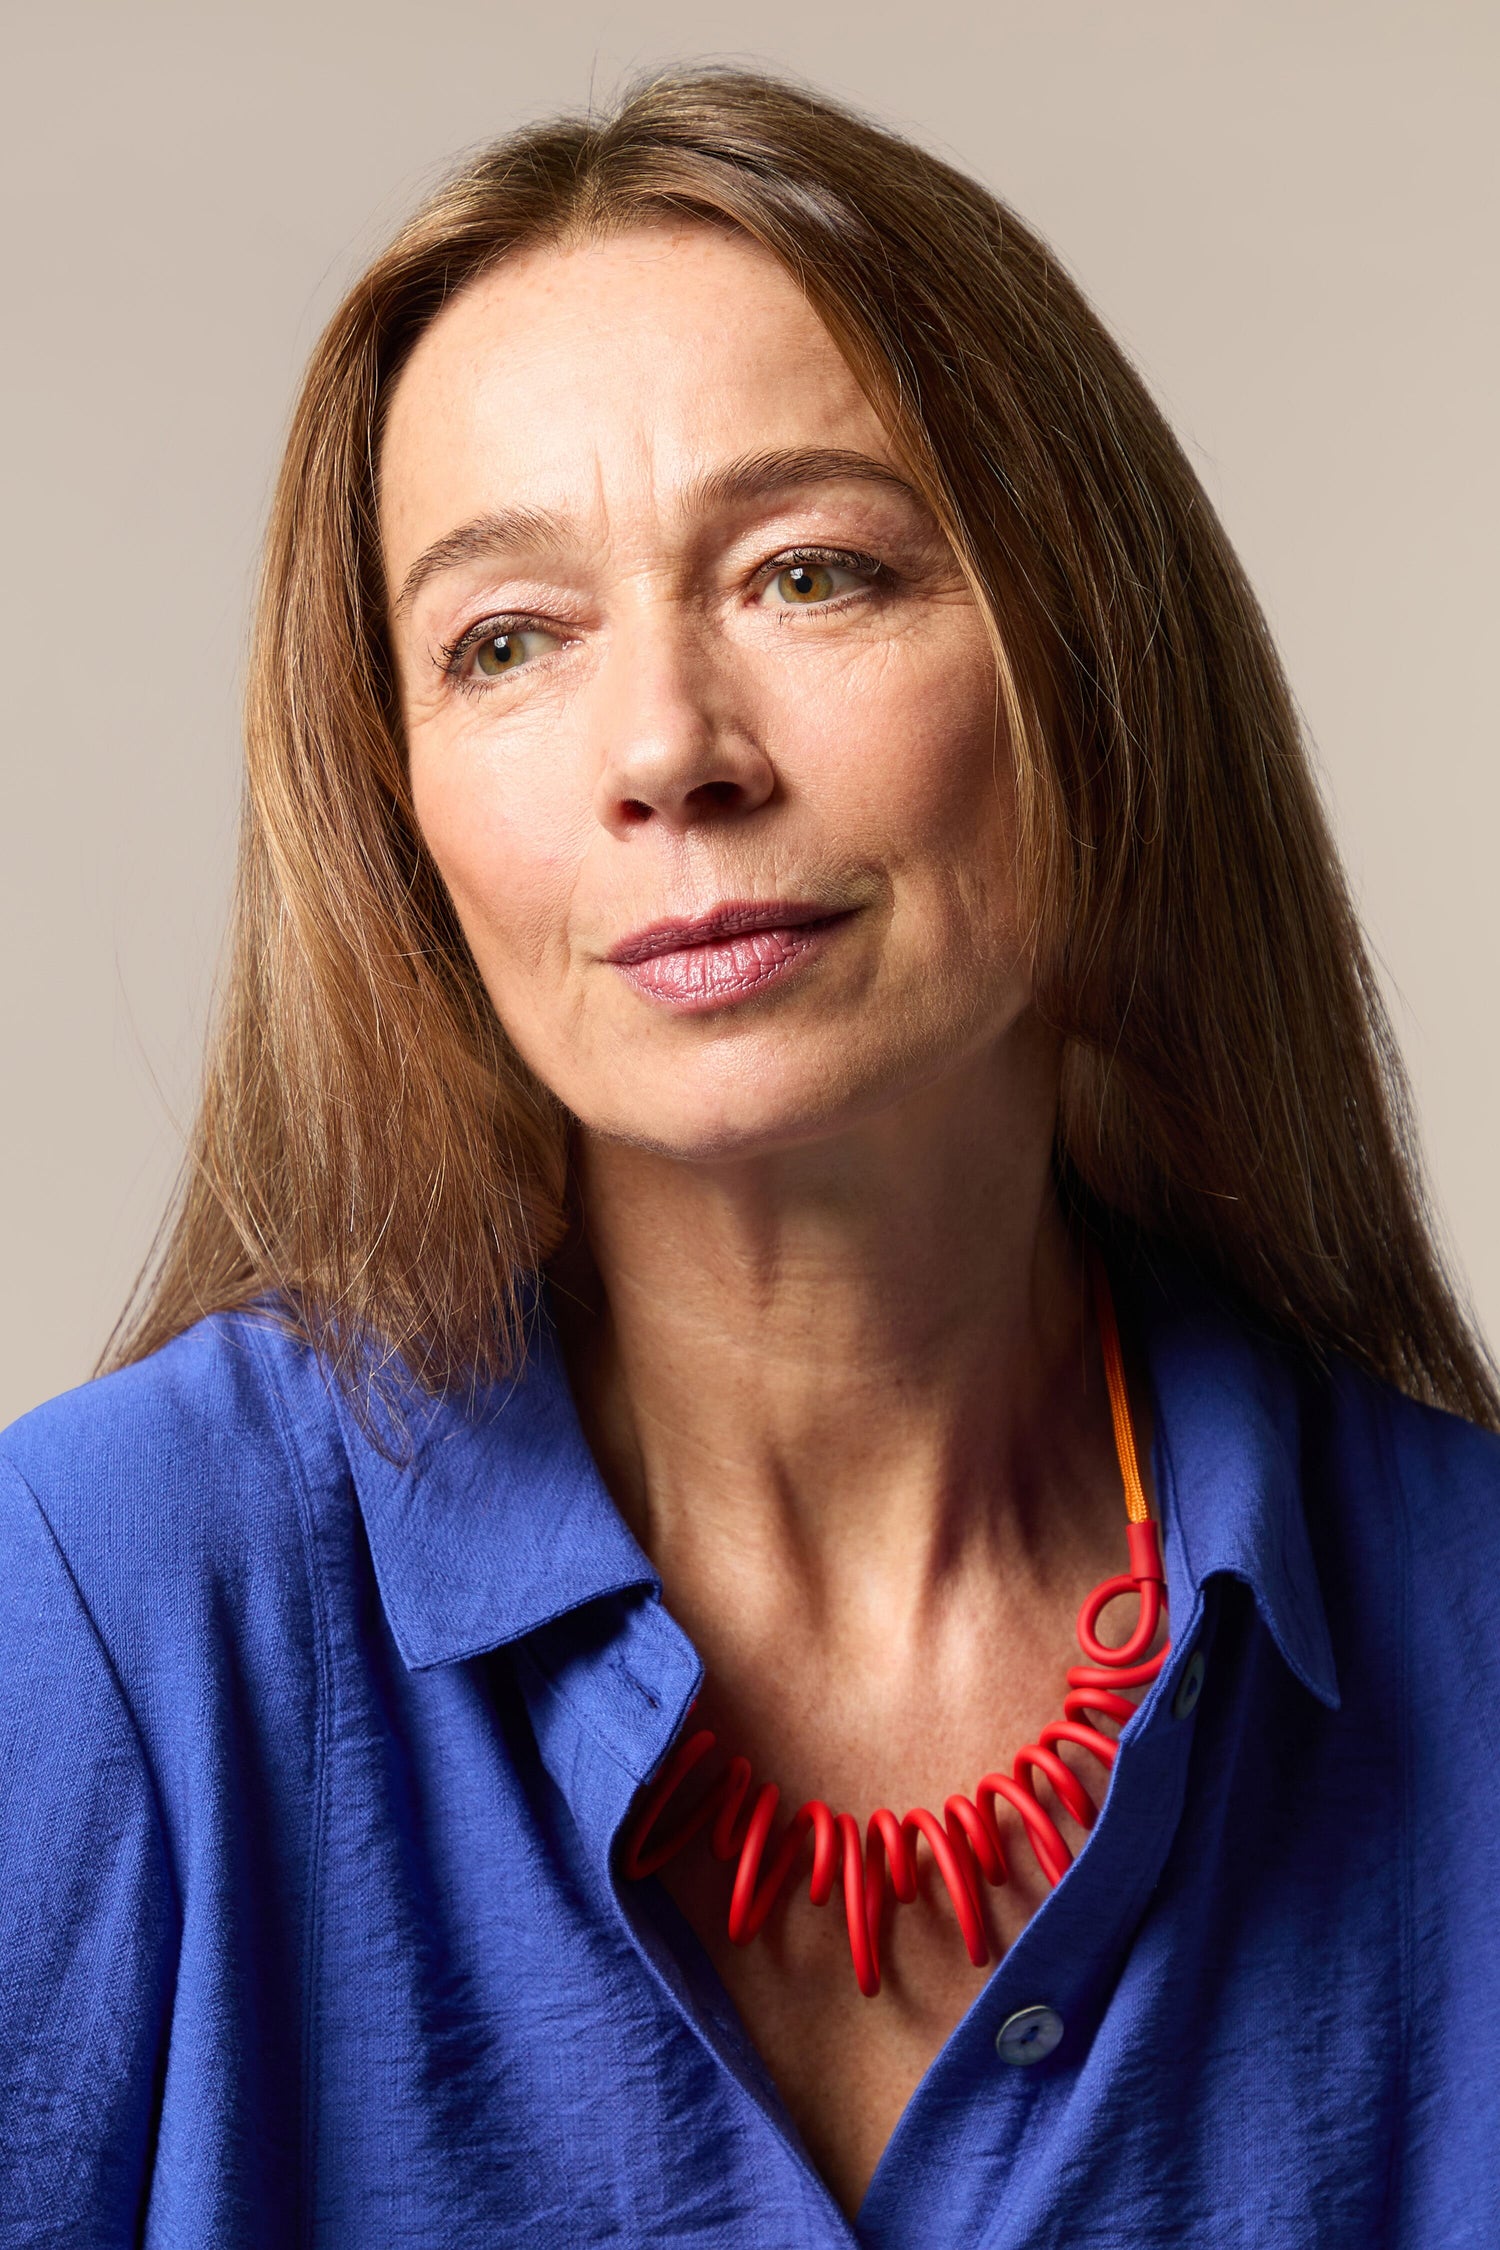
(832, 1376)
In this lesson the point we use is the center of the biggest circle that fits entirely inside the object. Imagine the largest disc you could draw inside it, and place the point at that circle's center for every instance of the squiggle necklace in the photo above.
(967, 1842)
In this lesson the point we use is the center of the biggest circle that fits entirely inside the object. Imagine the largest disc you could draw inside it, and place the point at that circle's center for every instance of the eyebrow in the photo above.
(754, 476)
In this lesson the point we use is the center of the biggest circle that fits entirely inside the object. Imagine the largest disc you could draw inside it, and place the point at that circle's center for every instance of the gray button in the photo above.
(1029, 2036)
(1190, 1686)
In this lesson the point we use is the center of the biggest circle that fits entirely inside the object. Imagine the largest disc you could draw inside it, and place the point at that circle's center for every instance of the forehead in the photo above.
(613, 372)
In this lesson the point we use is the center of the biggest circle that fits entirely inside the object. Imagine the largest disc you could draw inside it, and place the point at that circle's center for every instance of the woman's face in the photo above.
(702, 716)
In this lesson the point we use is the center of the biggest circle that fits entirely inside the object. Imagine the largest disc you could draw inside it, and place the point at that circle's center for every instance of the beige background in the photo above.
(1287, 212)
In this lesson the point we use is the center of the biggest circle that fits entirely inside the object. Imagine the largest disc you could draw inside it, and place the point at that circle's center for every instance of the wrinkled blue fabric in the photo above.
(312, 1763)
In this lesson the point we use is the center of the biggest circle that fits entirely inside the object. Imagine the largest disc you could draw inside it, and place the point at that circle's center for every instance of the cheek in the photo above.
(909, 752)
(506, 846)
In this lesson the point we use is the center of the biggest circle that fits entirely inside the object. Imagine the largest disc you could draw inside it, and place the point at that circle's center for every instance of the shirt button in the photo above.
(1190, 1686)
(1028, 2036)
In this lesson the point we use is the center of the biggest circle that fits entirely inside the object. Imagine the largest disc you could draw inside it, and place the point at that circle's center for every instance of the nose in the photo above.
(676, 748)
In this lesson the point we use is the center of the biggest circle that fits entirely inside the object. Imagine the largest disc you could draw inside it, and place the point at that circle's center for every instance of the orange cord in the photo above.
(1119, 1397)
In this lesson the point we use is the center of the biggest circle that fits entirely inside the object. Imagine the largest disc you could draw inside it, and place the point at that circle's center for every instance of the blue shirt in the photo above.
(312, 1764)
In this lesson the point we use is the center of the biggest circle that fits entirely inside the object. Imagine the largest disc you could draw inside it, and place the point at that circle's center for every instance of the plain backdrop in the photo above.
(1286, 210)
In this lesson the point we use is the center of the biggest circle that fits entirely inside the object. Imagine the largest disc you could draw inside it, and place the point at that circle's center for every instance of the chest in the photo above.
(853, 1946)
(485, 2036)
(845, 2064)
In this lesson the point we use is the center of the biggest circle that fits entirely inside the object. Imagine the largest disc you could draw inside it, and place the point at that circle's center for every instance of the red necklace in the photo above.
(966, 1843)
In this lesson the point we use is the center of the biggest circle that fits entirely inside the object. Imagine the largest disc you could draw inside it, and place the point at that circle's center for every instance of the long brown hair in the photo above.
(370, 1151)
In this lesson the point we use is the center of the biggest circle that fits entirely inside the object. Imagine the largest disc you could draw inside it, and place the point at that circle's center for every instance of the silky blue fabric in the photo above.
(312, 1763)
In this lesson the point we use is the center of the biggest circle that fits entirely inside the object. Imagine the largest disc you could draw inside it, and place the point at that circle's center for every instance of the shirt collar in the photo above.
(1228, 1449)
(487, 1517)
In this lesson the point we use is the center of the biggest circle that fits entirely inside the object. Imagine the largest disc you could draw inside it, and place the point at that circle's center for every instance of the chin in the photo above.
(751, 1116)
(720, 1133)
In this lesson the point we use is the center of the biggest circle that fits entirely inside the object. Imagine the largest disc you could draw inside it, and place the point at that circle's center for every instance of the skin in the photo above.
(824, 1322)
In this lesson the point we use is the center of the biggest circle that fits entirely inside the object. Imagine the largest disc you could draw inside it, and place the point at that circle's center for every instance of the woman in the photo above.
(780, 895)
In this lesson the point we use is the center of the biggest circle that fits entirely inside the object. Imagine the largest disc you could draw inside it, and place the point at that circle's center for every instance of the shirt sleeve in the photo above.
(87, 1914)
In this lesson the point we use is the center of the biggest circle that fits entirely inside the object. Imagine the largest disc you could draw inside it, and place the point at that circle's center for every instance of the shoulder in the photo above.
(199, 1465)
(1410, 1550)
(1443, 1471)
(216, 1414)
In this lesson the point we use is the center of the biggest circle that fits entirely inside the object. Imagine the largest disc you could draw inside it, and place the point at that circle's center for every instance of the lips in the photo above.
(712, 960)
(735, 920)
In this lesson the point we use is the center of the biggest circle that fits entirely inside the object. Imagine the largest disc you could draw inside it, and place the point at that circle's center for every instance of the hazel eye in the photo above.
(811, 581)
(499, 653)
(807, 582)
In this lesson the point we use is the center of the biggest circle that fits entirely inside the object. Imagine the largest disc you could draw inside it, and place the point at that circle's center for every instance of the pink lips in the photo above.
(718, 958)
